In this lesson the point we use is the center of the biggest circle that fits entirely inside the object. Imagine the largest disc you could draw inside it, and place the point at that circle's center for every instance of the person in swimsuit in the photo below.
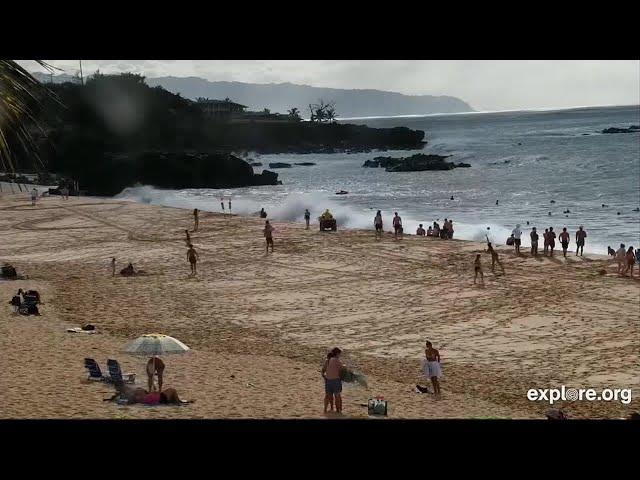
(222, 204)
(450, 230)
(621, 258)
(516, 233)
(494, 257)
(421, 231)
(436, 229)
(545, 235)
(631, 260)
(377, 223)
(580, 236)
(133, 395)
(263, 214)
(195, 220)
(229, 205)
(534, 242)
(192, 257)
(477, 266)
(155, 365)
(564, 241)
(307, 217)
(268, 235)
(188, 237)
(552, 240)
(113, 267)
(432, 368)
(444, 230)
(397, 225)
(332, 382)
(430, 231)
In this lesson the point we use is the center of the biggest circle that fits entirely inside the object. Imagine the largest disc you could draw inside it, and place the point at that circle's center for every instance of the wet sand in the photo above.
(259, 325)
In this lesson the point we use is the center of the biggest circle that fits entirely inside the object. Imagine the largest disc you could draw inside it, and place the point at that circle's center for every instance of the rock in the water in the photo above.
(416, 163)
(256, 164)
(631, 129)
(279, 165)
(305, 164)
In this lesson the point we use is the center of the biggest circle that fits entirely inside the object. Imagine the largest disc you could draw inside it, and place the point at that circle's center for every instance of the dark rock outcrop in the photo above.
(256, 164)
(416, 163)
(279, 165)
(631, 129)
(305, 164)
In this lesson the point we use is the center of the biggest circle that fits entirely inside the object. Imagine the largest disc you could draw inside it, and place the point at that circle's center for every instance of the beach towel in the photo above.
(79, 330)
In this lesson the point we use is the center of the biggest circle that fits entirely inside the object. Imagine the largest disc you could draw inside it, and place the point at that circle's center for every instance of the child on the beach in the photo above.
(192, 256)
(477, 266)
(268, 235)
(494, 257)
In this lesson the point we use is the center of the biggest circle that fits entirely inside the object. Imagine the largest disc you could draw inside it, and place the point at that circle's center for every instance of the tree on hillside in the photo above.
(294, 112)
(323, 111)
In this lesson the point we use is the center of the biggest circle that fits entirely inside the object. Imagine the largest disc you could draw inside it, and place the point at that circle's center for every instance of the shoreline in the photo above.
(259, 326)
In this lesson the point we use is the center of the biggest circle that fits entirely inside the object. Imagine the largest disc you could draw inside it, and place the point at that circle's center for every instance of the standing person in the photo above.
(545, 235)
(552, 240)
(332, 382)
(444, 230)
(564, 241)
(222, 203)
(494, 257)
(113, 267)
(64, 192)
(263, 214)
(229, 205)
(534, 242)
(307, 217)
(436, 229)
(450, 229)
(195, 220)
(621, 258)
(34, 196)
(631, 260)
(421, 232)
(192, 257)
(397, 225)
(432, 368)
(268, 235)
(580, 236)
(377, 223)
(516, 233)
(477, 267)
(155, 365)
(188, 238)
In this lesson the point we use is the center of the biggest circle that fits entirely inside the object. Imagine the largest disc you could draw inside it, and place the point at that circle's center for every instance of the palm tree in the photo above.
(20, 94)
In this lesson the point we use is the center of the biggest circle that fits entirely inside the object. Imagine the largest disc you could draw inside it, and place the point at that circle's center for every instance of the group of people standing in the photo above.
(626, 259)
(549, 239)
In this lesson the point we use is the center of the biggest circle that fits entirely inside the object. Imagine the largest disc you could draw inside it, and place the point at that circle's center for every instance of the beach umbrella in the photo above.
(155, 344)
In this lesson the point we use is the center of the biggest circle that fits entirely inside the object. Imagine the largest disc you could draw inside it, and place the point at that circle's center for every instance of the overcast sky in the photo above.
(484, 84)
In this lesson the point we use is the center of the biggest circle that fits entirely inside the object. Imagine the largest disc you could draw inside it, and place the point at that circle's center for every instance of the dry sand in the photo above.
(259, 325)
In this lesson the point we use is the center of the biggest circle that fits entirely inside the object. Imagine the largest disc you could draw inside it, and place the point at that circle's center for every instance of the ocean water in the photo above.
(525, 160)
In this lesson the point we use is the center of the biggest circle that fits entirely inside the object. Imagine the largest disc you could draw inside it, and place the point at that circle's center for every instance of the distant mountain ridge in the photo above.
(281, 97)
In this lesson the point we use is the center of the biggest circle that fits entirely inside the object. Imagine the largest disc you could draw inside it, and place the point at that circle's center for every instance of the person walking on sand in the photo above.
(630, 261)
(397, 225)
(564, 241)
(420, 232)
(621, 258)
(188, 237)
(34, 196)
(552, 240)
(229, 205)
(113, 267)
(534, 242)
(494, 257)
(222, 203)
(580, 236)
(195, 220)
(377, 223)
(477, 267)
(332, 382)
(307, 217)
(268, 235)
(545, 235)
(516, 233)
(192, 257)
(432, 368)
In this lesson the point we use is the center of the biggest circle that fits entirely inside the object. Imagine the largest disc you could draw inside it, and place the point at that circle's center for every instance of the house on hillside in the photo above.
(222, 110)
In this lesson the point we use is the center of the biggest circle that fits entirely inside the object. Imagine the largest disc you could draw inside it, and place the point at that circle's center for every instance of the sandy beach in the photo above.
(259, 325)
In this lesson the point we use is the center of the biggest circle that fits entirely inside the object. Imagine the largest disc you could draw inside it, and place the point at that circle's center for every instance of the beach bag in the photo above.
(510, 240)
(377, 406)
(346, 375)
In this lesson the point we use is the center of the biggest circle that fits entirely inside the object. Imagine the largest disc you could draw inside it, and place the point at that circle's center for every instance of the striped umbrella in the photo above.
(154, 344)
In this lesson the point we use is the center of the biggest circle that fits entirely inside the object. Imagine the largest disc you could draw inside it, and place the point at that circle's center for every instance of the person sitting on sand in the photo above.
(397, 225)
(436, 229)
(128, 271)
(630, 261)
(552, 240)
(263, 214)
(621, 258)
(420, 231)
(139, 395)
(494, 257)
(534, 242)
(564, 241)
(432, 368)
(580, 236)
(192, 257)
(196, 220)
(332, 382)
(429, 231)
(155, 366)
(268, 235)
(307, 217)
(17, 300)
(377, 223)
(477, 267)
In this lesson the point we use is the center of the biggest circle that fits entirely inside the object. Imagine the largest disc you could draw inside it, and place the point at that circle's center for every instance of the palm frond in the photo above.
(20, 96)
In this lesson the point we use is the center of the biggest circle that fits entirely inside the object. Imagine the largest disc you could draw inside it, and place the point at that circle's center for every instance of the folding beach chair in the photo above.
(93, 368)
(115, 372)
